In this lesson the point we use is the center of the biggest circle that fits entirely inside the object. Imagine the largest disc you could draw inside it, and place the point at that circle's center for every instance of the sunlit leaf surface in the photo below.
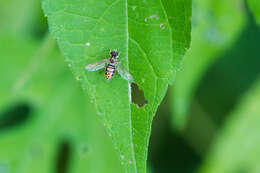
(151, 37)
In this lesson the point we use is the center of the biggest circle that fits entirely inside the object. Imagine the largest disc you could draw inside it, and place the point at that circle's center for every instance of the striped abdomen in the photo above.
(110, 70)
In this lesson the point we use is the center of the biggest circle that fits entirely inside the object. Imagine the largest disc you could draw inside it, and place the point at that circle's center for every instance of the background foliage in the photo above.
(207, 122)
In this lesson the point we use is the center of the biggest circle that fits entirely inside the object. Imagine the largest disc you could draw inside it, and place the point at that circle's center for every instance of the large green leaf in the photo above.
(59, 113)
(151, 37)
(236, 149)
(216, 24)
(254, 6)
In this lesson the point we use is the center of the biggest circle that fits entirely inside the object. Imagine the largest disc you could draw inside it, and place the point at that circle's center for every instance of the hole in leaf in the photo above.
(138, 96)
(15, 116)
(63, 157)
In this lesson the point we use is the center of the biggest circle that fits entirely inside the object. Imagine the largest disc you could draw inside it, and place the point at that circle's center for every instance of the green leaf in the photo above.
(59, 113)
(254, 6)
(216, 25)
(151, 36)
(23, 21)
(236, 148)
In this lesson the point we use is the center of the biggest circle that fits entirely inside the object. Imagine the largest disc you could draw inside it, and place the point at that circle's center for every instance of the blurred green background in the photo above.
(45, 125)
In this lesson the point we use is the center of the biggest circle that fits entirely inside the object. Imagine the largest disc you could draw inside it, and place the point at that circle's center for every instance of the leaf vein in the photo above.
(145, 55)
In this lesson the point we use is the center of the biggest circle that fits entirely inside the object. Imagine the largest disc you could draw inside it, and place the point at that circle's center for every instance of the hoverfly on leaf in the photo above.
(111, 65)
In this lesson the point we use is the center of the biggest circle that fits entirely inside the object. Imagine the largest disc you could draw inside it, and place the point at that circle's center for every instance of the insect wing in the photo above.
(124, 73)
(97, 65)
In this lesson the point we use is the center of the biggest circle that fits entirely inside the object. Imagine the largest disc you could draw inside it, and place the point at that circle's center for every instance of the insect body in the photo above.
(111, 65)
(110, 70)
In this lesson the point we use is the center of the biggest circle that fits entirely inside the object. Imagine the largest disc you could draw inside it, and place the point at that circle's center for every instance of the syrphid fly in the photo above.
(111, 65)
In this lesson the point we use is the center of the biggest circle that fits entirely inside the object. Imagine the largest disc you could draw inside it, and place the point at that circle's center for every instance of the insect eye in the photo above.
(114, 54)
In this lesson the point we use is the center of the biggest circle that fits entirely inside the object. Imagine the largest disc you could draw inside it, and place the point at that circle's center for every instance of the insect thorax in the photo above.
(113, 60)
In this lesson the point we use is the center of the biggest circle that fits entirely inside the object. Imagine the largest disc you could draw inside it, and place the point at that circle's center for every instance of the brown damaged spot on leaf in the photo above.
(138, 97)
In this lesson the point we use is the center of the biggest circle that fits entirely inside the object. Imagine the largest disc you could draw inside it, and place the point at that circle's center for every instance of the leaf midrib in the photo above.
(150, 63)
(129, 88)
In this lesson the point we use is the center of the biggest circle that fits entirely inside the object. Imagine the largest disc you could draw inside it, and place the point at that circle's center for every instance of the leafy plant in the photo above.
(238, 138)
(151, 37)
(254, 5)
(52, 120)
(36, 88)
(216, 25)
